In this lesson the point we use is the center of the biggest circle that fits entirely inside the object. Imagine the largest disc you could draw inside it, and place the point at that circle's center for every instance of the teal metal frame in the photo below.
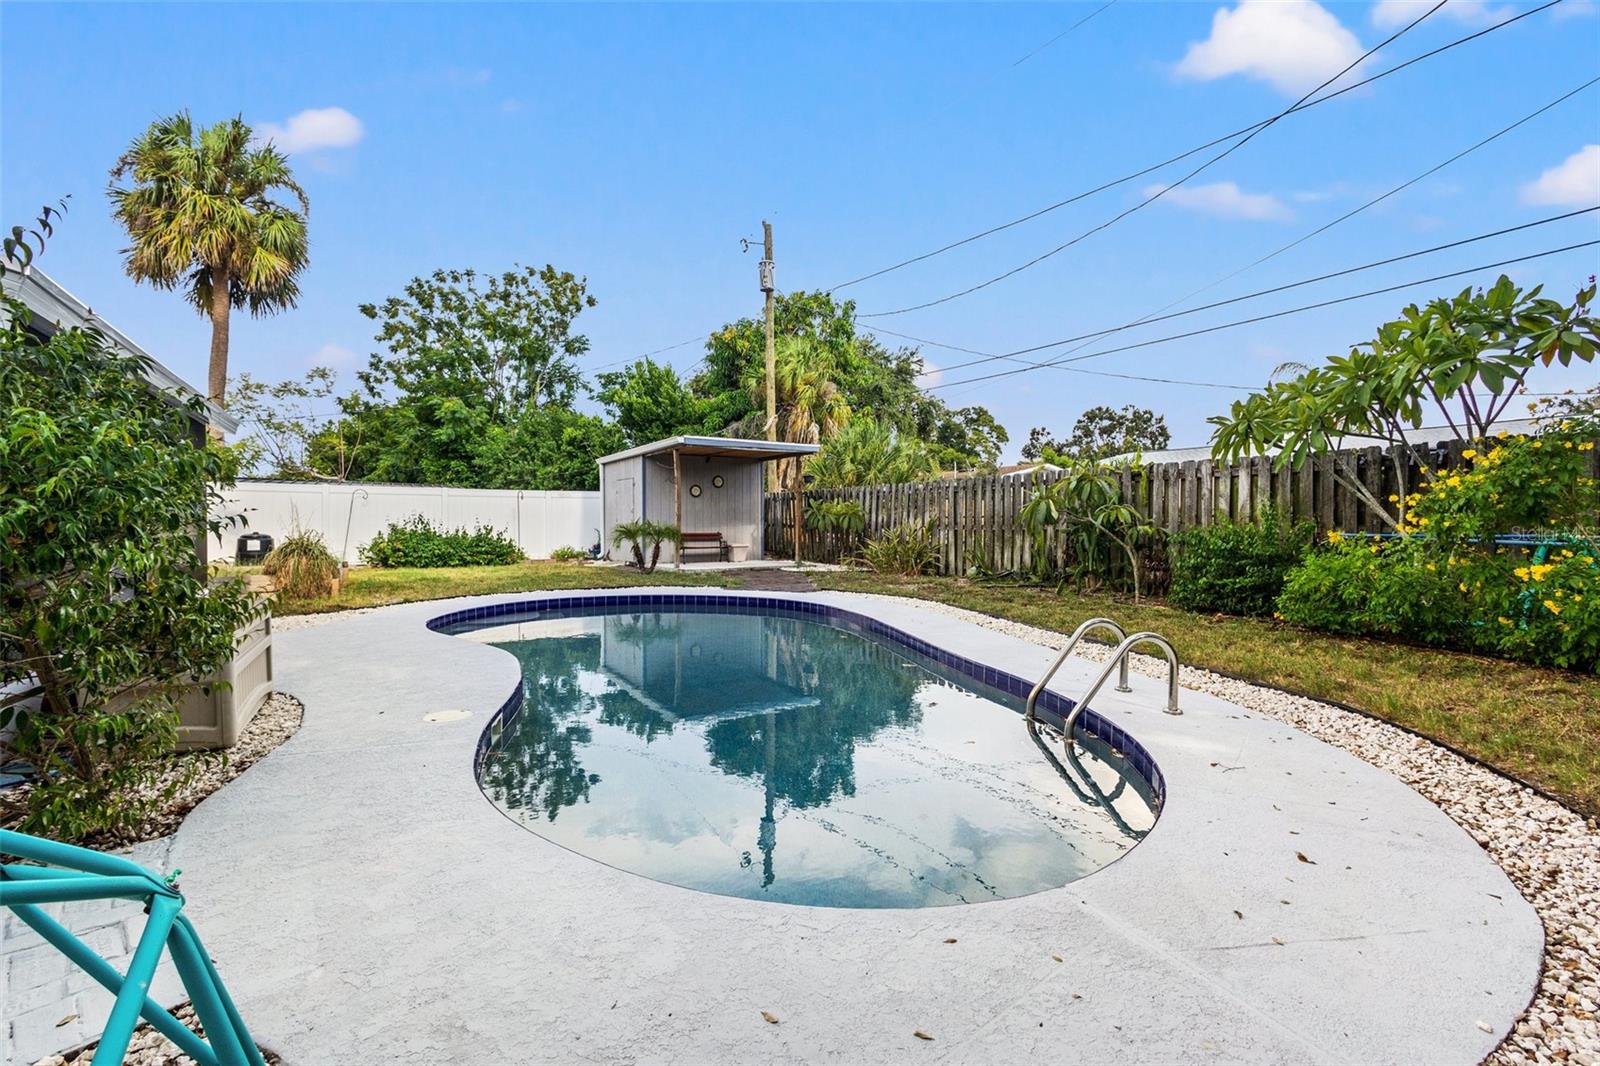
(72, 874)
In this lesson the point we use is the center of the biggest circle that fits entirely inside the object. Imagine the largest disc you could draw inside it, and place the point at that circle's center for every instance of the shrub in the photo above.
(1495, 602)
(302, 566)
(416, 542)
(642, 535)
(1236, 568)
(106, 616)
(568, 554)
(907, 550)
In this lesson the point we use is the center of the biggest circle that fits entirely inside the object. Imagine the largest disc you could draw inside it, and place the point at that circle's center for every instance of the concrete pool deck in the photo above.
(367, 904)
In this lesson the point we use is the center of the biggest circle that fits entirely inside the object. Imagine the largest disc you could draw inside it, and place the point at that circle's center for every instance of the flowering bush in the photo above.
(1491, 601)
(1447, 580)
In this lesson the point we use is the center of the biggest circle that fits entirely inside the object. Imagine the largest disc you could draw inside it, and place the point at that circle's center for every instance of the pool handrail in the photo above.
(1072, 642)
(70, 874)
(1120, 656)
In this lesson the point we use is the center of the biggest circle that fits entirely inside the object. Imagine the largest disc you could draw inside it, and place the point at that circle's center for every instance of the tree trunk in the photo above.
(217, 378)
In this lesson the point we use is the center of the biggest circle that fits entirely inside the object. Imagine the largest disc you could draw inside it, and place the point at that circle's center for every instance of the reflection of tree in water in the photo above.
(535, 763)
(622, 709)
(861, 688)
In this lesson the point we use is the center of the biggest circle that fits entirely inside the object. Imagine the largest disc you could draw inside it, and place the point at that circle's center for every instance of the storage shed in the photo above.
(703, 485)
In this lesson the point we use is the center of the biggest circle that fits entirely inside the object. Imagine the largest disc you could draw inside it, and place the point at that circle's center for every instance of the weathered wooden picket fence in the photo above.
(976, 521)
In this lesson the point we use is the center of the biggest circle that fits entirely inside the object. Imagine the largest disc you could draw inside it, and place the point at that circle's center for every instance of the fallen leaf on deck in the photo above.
(920, 1035)
(64, 1021)
(1302, 857)
(949, 940)
(772, 1019)
(1058, 958)
(1278, 942)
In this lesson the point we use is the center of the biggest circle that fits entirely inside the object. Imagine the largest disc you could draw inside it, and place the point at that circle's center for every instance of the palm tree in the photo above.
(200, 213)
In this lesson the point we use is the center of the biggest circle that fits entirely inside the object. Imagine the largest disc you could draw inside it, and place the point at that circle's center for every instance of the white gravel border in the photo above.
(1550, 853)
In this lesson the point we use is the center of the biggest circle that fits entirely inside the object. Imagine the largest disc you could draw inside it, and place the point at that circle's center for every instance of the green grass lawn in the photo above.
(374, 587)
(1539, 725)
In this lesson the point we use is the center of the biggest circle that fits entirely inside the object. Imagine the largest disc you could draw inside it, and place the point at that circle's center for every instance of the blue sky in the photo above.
(637, 144)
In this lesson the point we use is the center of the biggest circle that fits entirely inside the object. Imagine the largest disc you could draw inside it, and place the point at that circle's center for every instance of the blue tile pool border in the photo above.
(1052, 707)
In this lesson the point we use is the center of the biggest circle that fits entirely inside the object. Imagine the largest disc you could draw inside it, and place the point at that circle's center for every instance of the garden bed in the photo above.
(276, 721)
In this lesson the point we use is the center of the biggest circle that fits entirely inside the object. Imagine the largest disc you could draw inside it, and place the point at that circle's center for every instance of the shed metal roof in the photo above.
(51, 302)
(728, 447)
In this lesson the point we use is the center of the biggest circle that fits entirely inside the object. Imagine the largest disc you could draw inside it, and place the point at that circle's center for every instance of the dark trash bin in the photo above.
(252, 548)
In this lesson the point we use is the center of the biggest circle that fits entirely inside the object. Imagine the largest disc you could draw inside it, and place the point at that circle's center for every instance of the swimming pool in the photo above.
(753, 751)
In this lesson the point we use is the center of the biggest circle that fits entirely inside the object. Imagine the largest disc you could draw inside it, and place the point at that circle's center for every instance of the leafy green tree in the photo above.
(200, 213)
(283, 426)
(871, 379)
(476, 388)
(1100, 433)
(106, 615)
(503, 341)
(650, 402)
(1461, 360)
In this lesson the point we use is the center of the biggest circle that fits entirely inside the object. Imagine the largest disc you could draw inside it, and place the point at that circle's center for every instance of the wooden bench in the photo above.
(705, 542)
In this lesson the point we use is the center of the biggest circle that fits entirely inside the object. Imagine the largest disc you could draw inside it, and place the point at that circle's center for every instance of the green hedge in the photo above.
(1236, 568)
(415, 542)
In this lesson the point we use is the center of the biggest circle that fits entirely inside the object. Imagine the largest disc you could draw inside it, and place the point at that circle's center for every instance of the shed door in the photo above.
(622, 503)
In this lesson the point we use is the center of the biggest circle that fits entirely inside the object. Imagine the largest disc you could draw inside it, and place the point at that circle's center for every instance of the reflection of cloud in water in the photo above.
(784, 759)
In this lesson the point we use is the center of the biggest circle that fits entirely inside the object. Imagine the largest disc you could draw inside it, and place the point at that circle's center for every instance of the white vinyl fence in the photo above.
(349, 514)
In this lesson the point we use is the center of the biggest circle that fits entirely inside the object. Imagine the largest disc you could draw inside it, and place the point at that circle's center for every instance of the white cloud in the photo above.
(1392, 14)
(512, 106)
(1573, 9)
(931, 377)
(314, 128)
(1224, 199)
(1290, 44)
(1573, 183)
(331, 355)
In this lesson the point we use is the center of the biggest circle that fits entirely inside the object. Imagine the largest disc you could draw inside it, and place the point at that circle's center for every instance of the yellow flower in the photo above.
(1504, 620)
(1462, 586)
(1522, 572)
(1469, 453)
(1552, 606)
(1394, 499)
(1334, 536)
(1538, 444)
(1586, 446)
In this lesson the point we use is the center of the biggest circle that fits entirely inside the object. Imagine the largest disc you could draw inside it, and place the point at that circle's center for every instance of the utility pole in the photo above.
(772, 371)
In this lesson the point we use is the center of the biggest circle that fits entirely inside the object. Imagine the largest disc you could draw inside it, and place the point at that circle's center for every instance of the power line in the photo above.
(1071, 369)
(1149, 319)
(1397, 189)
(1258, 318)
(1159, 193)
(1087, 338)
(1113, 183)
(634, 359)
(1065, 32)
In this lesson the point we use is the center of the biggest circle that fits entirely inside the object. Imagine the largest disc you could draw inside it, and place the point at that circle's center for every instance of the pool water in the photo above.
(787, 759)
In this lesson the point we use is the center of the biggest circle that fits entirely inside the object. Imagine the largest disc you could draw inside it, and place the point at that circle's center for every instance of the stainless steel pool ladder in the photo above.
(1118, 661)
(1077, 635)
